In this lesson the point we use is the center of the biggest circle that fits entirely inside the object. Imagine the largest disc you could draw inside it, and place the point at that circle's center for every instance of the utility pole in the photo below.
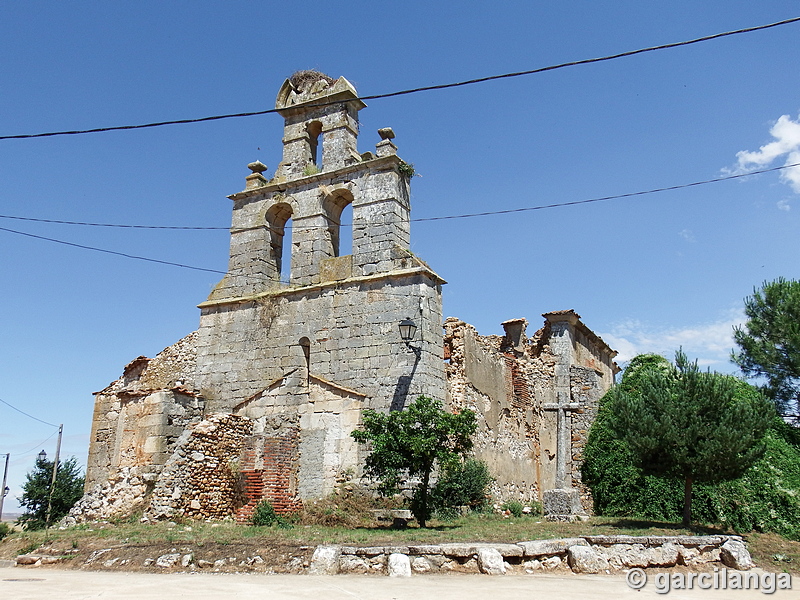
(53, 480)
(3, 491)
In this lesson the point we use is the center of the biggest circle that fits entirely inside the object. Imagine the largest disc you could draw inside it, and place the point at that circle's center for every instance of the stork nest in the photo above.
(303, 80)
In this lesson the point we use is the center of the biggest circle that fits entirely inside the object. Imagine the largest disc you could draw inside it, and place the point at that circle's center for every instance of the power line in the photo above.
(39, 445)
(442, 218)
(27, 415)
(59, 222)
(421, 219)
(418, 89)
(615, 197)
(154, 260)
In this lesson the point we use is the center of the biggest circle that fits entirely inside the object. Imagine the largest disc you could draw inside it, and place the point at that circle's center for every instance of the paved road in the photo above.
(51, 584)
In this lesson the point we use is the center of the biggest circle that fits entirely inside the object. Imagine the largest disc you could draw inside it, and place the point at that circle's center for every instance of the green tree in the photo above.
(410, 443)
(685, 423)
(769, 342)
(36, 490)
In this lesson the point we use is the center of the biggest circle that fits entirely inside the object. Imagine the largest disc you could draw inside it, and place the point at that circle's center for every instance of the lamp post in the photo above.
(53, 480)
(5, 488)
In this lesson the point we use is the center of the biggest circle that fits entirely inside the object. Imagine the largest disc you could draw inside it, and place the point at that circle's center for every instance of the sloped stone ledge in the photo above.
(588, 554)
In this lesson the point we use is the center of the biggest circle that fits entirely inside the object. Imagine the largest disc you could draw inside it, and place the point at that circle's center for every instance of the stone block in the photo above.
(548, 547)
(734, 554)
(490, 562)
(562, 502)
(585, 559)
(398, 565)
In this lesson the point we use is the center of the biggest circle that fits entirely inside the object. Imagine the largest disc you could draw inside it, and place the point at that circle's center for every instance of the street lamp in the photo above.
(5, 492)
(408, 330)
(42, 455)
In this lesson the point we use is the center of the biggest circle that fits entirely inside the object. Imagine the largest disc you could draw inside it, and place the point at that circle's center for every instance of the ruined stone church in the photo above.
(260, 401)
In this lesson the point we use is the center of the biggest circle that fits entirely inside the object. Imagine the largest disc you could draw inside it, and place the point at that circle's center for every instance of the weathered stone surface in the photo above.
(165, 561)
(349, 563)
(546, 547)
(585, 559)
(425, 549)
(562, 502)
(420, 564)
(27, 559)
(459, 550)
(490, 562)
(325, 560)
(734, 554)
(6, 564)
(398, 565)
(552, 562)
(663, 556)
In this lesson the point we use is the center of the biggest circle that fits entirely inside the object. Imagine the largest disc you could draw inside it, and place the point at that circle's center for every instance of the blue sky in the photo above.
(649, 273)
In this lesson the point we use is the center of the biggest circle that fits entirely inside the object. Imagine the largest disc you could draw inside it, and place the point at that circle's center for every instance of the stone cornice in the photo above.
(320, 178)
(293, 290)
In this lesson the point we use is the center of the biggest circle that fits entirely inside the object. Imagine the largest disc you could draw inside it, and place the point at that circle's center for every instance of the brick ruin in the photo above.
(515, 385)
(298, 339)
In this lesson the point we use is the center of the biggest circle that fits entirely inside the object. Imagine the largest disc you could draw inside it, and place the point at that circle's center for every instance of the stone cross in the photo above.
(563, 437)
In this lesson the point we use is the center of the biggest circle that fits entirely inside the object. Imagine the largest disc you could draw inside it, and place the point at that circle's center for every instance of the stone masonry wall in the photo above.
(137, 421)
(202, 478)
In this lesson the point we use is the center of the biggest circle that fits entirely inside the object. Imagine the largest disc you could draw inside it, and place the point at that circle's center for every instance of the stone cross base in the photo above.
(562, 505)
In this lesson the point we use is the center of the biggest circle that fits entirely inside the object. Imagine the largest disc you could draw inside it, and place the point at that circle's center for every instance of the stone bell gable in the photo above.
(336, 317)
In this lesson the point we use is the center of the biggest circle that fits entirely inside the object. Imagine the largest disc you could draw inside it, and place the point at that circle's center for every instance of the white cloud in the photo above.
(687, 234)
(787, 144)
(784, 204)
(709, 343)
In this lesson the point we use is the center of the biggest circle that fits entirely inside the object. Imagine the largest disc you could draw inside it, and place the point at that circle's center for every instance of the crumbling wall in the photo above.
(202, 478)
(137, 422)
(500, 389)
(510, 382)
(269, 467)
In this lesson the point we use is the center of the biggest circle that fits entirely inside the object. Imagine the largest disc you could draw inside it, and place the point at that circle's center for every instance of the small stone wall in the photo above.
(589, 554)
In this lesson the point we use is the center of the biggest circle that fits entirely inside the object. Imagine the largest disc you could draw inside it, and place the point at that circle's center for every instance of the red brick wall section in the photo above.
(520, 397)
(276, 479)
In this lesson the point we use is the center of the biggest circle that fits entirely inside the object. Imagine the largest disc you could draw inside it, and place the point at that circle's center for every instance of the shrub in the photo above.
(461, 484)
(514, 507)
(4, 530)
(265, 516)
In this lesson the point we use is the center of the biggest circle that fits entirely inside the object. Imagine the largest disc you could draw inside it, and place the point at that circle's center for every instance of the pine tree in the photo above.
(769, 342)
(684, 422)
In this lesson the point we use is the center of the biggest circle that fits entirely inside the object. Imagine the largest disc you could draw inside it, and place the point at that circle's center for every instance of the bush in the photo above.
(4, 530)
(461, 484)
(265, 516)
(514, 507)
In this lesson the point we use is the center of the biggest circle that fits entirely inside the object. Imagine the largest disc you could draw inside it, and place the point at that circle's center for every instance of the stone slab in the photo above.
(548, 547)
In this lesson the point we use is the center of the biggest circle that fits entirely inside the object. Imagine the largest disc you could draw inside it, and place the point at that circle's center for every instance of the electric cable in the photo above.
(133, 256)
(26, 414)
(418, 89)
(421, 219)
